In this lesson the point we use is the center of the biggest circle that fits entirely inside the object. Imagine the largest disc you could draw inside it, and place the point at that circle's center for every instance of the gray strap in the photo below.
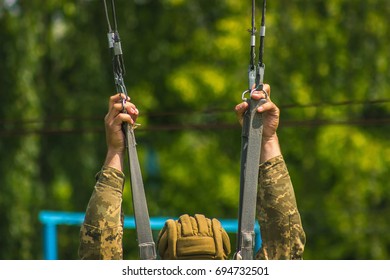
(146, 244)
(252, 131)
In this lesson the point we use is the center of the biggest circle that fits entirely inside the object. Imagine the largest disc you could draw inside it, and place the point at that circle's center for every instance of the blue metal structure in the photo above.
(50, 220)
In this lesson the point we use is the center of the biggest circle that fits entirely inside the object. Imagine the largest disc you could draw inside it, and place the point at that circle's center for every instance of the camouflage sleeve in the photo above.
(102, 230)
(280, 223)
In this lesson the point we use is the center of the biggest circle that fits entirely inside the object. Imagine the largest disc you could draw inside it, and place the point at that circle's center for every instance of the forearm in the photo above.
(270, 148)
(114, 159)
(280, 223)
(102, 230)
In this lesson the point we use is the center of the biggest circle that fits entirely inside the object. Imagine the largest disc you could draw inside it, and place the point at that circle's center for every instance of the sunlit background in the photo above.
(326, 61)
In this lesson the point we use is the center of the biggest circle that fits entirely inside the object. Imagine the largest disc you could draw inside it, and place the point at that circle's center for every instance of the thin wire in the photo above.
(114, 15)
(253, 13)
(54, 119)
(336, 104)
(193, 127)
(262, 34)
(253, 32)
(107, 17)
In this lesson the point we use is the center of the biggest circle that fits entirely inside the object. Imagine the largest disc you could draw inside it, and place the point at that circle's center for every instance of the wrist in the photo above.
(270, 148)
(114, 159)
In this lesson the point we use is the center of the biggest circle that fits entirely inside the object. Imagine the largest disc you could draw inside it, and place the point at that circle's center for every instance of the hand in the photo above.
(270, 143)
(269, 110)
(113, 125)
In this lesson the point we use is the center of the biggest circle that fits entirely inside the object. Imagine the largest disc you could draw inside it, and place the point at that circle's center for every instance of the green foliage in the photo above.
(186, 61)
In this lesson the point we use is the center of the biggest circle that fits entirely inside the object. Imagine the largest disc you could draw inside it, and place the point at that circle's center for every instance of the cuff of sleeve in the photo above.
(267, 168)
(111, 177)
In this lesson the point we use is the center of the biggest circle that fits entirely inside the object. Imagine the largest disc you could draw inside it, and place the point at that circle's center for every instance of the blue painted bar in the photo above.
(50, 241)
(50, 220)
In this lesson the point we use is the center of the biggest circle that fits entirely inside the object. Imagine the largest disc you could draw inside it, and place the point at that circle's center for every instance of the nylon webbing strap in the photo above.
(250, 159)
(146, 244)
(147, 249)
(252, 133)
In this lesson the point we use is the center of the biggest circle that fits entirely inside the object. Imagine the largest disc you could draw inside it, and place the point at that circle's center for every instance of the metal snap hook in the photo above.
(243, 94)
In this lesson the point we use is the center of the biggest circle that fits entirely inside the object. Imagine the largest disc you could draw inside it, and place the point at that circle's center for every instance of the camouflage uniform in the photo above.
(102, 230)
(280, 223)
(282, 233)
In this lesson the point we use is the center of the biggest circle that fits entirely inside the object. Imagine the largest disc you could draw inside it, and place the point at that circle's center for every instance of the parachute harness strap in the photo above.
(147, 249)
(252, 131)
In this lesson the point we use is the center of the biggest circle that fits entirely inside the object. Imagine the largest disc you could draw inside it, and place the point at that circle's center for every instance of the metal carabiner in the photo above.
(251, 92)
(243, 94)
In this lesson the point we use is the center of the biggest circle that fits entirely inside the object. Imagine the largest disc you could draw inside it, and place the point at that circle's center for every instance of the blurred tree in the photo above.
(186, 61)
